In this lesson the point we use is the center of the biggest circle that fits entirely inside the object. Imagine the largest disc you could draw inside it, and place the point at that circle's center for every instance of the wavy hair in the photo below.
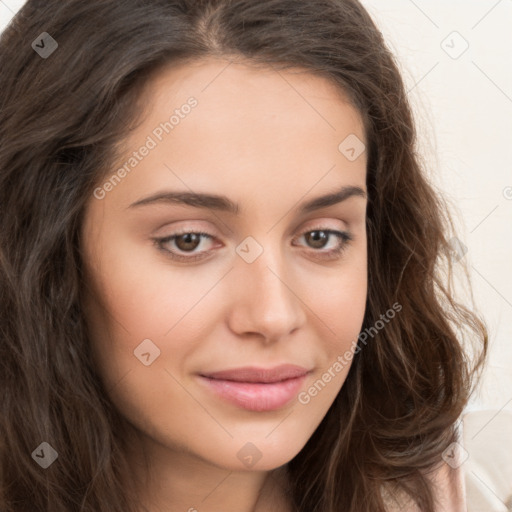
(62, 120)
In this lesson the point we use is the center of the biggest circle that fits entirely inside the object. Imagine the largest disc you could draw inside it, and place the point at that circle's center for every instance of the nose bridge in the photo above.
(264, 300)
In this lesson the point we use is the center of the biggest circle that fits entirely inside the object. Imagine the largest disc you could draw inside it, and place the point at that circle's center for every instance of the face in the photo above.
(223, 297)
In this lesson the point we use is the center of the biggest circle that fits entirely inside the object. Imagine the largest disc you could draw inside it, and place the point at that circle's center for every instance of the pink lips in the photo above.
(257, 389)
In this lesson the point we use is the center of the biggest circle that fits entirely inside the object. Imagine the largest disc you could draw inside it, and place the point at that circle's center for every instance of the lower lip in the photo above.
(256, 396)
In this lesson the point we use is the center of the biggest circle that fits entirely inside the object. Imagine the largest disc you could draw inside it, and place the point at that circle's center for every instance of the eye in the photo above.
(319, 238)
(189, 241)
(186, 241)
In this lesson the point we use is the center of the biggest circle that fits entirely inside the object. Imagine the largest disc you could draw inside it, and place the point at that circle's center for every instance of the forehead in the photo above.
(249, 126)
(248, 89)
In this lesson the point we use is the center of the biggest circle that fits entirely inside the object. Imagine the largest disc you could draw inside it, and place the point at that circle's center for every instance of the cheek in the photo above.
(338, 304)
(339, 299)
(340, 308)
(142, 334)
(143, 298)
(342, 302)
(141, 292)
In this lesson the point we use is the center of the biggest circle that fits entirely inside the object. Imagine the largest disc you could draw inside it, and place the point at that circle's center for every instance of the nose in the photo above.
(266, 299)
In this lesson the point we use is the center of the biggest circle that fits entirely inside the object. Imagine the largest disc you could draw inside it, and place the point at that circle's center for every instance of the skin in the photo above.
(268, 141)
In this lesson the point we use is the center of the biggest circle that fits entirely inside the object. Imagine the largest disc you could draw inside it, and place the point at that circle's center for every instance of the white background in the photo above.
(463, 108)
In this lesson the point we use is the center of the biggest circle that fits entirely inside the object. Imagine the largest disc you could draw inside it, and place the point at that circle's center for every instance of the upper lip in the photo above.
(255, 374)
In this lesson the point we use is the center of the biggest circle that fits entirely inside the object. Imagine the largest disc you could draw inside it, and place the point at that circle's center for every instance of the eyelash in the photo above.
(345, 237)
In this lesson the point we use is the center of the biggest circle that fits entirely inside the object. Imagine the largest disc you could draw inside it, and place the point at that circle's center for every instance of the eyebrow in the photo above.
(222, 203)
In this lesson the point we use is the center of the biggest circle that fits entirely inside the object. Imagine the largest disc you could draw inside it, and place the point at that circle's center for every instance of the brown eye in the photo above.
(188, 241)
(317, 239)
(185, 242)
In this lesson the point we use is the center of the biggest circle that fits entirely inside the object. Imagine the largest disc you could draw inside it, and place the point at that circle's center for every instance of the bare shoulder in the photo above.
(449, 492)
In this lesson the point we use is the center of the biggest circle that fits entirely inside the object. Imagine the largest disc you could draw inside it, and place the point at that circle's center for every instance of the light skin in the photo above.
(268, 141)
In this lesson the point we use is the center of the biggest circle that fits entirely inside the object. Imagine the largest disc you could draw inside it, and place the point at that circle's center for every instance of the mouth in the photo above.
(257, 389)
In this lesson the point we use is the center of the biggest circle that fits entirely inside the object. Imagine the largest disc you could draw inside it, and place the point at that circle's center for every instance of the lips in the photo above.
(261, 375)
(256, 389)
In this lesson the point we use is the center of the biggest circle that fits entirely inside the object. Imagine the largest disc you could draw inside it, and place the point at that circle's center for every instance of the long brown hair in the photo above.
(62, 117)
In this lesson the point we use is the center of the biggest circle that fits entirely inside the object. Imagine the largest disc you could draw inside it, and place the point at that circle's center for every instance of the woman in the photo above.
(225, 277)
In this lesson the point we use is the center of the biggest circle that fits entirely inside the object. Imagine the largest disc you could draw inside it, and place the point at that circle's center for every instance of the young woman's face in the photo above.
(272, 281)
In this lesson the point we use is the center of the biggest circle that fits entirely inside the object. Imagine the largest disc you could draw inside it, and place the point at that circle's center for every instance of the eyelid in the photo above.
(320, 225)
